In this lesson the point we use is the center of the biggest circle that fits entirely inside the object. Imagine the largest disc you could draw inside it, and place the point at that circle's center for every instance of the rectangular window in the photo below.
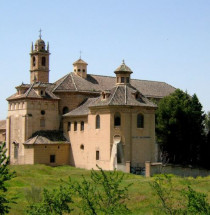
(52, 158)
(69, 126)
(122, 79)
(127, 79)
(75, 126)
(42, 123)
(82, 126)
(15, 151)
(97, 155)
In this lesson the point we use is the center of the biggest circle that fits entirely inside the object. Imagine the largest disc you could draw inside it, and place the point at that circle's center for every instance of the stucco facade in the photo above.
(55, 123)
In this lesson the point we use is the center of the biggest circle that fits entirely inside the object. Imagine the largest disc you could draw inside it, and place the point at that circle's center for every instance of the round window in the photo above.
(43, 112)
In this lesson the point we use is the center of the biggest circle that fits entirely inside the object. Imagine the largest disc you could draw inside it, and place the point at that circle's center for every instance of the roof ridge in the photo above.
(36, 138)
(61, 82)
(73, 81)
(125, 94)
(113, 94)
(29, 90)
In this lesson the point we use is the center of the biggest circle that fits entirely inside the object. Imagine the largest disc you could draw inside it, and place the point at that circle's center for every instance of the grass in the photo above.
(142, 199)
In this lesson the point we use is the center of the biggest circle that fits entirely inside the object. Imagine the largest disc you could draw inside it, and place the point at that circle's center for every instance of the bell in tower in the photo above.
(39, 67)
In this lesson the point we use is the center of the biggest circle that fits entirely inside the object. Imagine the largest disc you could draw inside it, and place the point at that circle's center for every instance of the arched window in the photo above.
(34, 61)
(117, 119)
(97, 121)
(43, 61)
(140, 121)
(65, 110)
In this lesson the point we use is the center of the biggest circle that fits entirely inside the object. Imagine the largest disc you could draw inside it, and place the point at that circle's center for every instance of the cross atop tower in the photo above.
(40, 33)
(80, 53)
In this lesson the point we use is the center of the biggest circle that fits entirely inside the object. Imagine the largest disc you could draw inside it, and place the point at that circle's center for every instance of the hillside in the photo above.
(142, 200)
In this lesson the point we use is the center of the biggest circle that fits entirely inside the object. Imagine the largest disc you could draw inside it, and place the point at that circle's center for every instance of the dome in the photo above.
(40, 42)
(123, 68)
(40, 45)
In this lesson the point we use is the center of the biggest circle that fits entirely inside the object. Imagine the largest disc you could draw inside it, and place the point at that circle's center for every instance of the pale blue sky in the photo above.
(160, 40)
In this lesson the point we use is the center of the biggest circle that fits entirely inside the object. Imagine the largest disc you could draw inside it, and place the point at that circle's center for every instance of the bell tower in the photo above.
(39, 64)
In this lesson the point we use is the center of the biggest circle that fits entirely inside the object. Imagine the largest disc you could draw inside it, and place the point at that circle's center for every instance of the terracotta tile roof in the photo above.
(2, 124)
(124, 95)
(80, 61)
(31, 93)
(97, 83)
(82, 110)
(47, 137)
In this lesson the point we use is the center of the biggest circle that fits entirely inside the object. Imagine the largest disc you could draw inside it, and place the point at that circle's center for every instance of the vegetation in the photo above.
(180, 129)
(33, 178)
(104, 194)
(174, 200)
(5, 175)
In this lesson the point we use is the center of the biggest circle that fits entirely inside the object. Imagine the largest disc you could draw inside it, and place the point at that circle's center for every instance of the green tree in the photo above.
(180, 127)
(5, 175)
(55, 202)
(176, 201)
(104, 194)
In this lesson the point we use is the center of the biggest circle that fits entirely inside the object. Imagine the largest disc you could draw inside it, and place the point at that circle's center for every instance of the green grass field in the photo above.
(141, 197)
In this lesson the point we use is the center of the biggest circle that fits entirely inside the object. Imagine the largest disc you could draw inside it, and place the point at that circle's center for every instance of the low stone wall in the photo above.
(158, 168)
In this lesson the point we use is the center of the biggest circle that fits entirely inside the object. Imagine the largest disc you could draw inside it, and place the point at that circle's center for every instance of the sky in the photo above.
(160, 40)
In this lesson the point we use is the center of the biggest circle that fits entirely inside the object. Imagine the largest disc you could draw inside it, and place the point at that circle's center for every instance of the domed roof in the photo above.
(40, 42)
(123, 68)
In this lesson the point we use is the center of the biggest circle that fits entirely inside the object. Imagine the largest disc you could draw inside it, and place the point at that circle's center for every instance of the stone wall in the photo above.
(158, 168)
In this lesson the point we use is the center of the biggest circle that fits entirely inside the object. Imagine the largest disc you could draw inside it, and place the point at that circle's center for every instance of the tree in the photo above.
(55, 202)
(180, 127)
(5, 175)
(178, 201)
(104, 194)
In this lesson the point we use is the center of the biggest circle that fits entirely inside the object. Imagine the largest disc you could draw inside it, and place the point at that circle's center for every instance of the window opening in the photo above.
(122, 79)
(140, 121)
(82, 126)
(97, 155)
(117, 119)
(42, 123)
(65, 110)
(15, 151)
(52, 158)
(97, 122)
(75, 126)
(69, 126)
(34, 61)
(43, 61)
(82, 147)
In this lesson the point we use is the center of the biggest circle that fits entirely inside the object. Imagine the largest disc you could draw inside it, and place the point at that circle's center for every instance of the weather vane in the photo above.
(80, 53)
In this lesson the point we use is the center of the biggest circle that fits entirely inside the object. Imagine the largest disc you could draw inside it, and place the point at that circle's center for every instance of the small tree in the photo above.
(55, 202)
(104, 194)
(5, 175)
(178, 201)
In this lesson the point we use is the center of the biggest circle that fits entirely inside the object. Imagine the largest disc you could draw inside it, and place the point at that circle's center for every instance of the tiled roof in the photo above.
(123, 95)
(2, 124)
(80, 61)
(82, 110)
(31, 93)
(47, 137)
(97, 83)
